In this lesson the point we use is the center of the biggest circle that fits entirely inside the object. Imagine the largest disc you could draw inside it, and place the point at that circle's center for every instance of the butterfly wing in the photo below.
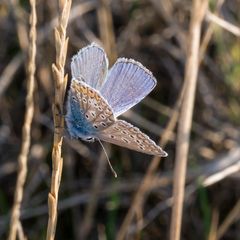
(95, 108)
(126, 135)
(91, 64)
(127, 83)
(87, 111)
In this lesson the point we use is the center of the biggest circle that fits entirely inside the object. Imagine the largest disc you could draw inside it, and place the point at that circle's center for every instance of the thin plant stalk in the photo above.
(148, 178)
(185, 119)
(15, 224)
(164, 139)
(106, 29)
(88, 216)
(232, 217)
(61, 42)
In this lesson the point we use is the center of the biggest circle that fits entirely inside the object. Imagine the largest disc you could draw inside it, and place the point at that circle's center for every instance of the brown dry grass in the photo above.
(199, 8)
(15, 223)
(137, 205)
(61, 43)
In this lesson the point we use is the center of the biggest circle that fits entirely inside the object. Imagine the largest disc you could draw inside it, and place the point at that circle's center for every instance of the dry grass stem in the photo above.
(61, 43)
(20, 232)
(219, 165)
(166, 136)
(106, 29)
(15, 223)
(148, 178)
(204, 147)
(144, 187)
(185, 118)
(223, 23)
(219, 176)
(214, 224)
(8, 73)
(76, 11)
(122, 187)
(11, 69)
(21, 27)
(208, 34)
(230, 219)
(92, 203)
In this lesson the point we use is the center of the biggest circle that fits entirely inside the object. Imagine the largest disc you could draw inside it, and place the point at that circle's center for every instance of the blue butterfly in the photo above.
(97, 97)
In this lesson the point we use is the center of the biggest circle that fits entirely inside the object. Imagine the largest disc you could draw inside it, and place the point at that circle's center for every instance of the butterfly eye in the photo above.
(111, 136)
(74, 98)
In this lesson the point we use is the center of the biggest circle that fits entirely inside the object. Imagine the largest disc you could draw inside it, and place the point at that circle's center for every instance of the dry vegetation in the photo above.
(194, 113)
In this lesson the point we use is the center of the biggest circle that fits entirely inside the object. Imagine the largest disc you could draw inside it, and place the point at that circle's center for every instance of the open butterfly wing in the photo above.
(126, 135)
(127, 83)
(90, 64)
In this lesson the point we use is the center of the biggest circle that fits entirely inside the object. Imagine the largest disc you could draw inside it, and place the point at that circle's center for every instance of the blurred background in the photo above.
(92, 203)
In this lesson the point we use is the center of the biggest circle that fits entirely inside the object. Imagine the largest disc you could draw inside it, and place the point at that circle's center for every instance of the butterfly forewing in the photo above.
(126, 135)
(127, 83)
(95, 109)
(91, 63)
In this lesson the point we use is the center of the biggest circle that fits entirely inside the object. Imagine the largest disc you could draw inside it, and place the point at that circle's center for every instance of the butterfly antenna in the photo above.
(109, 163)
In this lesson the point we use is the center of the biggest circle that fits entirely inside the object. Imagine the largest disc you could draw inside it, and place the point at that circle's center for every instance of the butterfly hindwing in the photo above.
(94, 108)
(126, 135)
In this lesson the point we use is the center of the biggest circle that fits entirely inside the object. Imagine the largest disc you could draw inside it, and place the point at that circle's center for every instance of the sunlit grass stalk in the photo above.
(185, 118)
(15, 224)
(138, 201)
(61, 43)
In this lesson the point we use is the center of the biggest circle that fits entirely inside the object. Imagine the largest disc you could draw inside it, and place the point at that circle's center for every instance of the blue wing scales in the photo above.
(127, 83)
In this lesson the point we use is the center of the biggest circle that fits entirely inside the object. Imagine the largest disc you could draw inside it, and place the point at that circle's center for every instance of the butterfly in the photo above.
(96, 98)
